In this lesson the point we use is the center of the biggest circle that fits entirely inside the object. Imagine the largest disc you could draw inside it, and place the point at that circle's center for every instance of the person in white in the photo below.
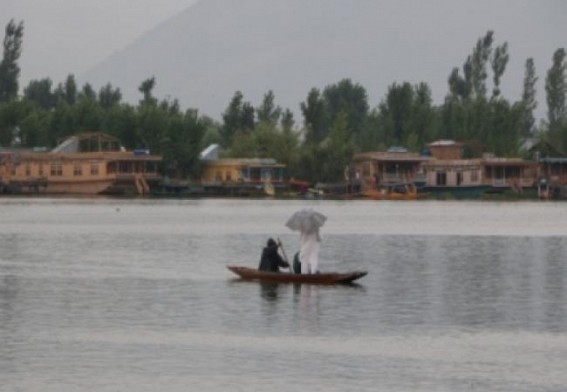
(309, 251)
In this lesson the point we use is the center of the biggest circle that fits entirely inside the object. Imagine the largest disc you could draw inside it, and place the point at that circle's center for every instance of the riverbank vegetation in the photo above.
(336, 122)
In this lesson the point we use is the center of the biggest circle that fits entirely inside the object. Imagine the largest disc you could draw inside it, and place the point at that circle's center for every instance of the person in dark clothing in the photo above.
(271, 259)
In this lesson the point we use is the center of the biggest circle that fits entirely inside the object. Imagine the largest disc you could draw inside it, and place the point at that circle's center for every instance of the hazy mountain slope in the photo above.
(216, 47)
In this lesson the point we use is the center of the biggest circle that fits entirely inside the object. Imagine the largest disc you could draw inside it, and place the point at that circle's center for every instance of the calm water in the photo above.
(130, 295)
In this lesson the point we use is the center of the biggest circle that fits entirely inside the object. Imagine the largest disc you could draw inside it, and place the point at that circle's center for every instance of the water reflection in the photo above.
(269, 291)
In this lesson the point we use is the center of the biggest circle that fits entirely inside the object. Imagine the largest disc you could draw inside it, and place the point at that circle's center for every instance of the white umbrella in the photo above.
(306, 220)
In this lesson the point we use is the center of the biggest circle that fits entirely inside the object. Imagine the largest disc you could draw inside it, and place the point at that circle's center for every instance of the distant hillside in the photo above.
(203, 55)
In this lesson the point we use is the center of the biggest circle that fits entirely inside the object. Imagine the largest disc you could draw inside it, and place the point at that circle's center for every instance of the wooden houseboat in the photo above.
(87, 163)
(460, 178)
(552, 183)
(241, 176)
(447, 173)
(509, 173)
(395, 174)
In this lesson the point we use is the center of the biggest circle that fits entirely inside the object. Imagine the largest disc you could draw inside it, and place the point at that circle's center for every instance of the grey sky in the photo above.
(71, 36)
(402, 40)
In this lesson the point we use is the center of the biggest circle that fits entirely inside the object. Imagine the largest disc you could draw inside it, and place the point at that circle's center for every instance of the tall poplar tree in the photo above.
(498, 63)
(556, 89)
(9, 68)
(529, 102)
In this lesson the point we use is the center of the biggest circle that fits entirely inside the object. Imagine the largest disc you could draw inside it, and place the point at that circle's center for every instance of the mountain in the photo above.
(214, 48)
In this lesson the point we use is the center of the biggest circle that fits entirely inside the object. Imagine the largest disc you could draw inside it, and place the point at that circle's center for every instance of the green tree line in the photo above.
(337, 121)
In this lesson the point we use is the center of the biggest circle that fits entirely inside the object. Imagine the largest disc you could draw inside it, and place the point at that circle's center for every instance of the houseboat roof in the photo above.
(481, 161)
(454, 162)
(492, 161)
(250, 162)
(210, 153)
(83, 146)
(554, 160)
(105, 155)
(445, 143)
(391, 156)
(89, 142)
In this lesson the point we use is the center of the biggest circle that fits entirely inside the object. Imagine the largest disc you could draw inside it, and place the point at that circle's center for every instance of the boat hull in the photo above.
(287, 277)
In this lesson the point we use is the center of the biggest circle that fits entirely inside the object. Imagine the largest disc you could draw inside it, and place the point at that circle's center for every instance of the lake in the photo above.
(133, 295)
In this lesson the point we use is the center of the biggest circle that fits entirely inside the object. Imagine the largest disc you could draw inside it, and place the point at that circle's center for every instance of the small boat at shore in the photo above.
(247, 273)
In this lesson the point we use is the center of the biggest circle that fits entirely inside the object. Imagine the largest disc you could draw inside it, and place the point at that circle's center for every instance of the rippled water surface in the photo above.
(133, 295)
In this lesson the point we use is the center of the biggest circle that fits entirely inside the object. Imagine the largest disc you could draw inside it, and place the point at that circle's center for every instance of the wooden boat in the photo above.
(287, 277)
(392, 191)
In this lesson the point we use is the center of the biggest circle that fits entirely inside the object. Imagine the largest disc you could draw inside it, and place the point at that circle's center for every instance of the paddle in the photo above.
(284, 255)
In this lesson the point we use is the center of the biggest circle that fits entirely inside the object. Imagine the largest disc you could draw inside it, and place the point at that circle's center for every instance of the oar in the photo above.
(284, 255)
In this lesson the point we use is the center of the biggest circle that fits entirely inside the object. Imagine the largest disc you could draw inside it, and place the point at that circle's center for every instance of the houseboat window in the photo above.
(266, 174)
(441, 178)
(94, 169)
(13, 171)
(125, 167)
(28, 170)
(255, 174)
(150, 167)
(218, 176)
(40, 170)
(277, 174)
(366, 169)
(228, 175)
(474, 176)
(77, 170)
(56, 170)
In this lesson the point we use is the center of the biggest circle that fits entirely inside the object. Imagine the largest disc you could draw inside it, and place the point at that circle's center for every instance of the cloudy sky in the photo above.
(78, 36)
(71, 36)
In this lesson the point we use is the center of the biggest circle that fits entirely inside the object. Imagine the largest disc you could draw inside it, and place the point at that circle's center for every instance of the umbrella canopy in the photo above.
(306, 220)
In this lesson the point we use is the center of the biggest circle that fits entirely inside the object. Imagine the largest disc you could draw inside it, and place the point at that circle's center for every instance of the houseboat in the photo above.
(241, 176)
(509, 173)
(87, 163)
(552, 182)
(459, 178)
(448, 174)
(395, 174)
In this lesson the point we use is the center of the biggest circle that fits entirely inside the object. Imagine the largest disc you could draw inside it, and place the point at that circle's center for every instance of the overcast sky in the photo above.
(74, 36)
(56, 30)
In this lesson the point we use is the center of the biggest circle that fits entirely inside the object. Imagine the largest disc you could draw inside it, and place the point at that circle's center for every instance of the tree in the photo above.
(67, 92)
(339, 148)
(63, 123)
(11, 115)
(183, 143)
(34, 128)
(315, 117)
(459, 87)
(499, 62)
(478, 61)
(349, 99)
(153, 123)
(268, 111)
(529, 102)
(146, 88)
(556, 89)
(287, 121)
(423, 117)
(398, 108)
(108, 97)
(121, 121)
(39, 92)
(238, 117)
(87, 92)
(87, 113)
(9, 68)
